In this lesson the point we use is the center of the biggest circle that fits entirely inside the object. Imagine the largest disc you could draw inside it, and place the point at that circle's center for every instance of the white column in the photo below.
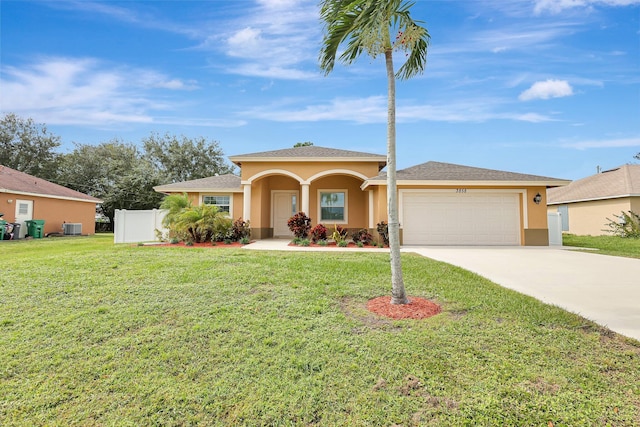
(246, 202)
(370, 209)
(304, 202)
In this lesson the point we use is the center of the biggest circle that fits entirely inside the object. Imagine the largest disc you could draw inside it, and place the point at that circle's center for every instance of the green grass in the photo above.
(607, 245)
(97, 334)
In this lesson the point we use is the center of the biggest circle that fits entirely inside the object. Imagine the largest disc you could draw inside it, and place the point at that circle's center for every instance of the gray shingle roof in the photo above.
(619, 182)
(13, 181)
(228, 182)
(437, 171)
(309, 153)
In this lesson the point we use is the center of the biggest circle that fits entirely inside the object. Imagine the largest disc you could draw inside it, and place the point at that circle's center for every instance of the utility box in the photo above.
(69, 229)
(35, 228)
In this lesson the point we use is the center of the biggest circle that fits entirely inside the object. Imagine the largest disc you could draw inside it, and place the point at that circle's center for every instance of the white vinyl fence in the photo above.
(554, 219)
(138, 226)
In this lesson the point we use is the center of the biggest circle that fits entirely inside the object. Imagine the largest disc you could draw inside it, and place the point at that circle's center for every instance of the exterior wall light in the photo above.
(537, 199)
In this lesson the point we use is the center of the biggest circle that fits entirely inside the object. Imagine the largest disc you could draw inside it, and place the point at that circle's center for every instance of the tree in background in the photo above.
(367, 26)
(637, 156)
(182, 159)
(115, 172)
(28, 147)
(303, 144)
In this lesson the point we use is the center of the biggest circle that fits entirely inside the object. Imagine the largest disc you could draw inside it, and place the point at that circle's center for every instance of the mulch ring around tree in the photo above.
(418, 308)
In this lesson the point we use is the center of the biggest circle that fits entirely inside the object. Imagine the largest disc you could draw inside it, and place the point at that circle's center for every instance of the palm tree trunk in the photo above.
(398, 294)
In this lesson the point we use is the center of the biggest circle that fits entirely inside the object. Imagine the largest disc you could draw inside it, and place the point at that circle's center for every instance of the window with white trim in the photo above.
(333, 206)
(223, 203)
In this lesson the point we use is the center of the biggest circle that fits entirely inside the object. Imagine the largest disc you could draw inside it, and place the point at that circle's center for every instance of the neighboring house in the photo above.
(439, 203)
(24, 197)
(586, 204)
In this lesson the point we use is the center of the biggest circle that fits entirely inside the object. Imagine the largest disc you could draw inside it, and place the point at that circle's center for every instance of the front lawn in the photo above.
(607, 245)
(97, 334)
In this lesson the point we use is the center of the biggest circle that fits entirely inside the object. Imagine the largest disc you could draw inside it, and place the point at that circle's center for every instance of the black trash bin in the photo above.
(16, 230)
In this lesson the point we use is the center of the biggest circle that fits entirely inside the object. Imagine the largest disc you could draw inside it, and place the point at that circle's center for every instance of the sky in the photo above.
(545, 87)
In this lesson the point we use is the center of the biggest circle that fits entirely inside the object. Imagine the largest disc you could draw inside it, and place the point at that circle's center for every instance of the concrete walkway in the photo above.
(605, 289)
(602, 288)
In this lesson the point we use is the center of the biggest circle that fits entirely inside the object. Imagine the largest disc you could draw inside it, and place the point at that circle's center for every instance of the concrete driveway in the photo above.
(602, 288)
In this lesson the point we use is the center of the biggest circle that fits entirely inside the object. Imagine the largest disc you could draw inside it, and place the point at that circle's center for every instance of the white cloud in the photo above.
(604, 143)
(85, 91)
(547, 89)
(373, 109)
(557, 6)
(276, 39)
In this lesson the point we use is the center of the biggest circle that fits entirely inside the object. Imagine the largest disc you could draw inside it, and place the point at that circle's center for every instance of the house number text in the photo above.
(461, 190)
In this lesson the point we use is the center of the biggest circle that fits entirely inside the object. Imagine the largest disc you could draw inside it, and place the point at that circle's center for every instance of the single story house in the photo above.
(25, 197)
(439, 203)
(585, 204)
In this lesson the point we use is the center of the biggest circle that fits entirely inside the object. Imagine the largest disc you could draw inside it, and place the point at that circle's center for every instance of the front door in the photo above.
(285, 205)
(24, 212)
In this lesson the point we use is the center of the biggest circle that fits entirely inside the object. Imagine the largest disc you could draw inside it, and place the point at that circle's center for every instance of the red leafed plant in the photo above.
(300, 224)
(319, 232)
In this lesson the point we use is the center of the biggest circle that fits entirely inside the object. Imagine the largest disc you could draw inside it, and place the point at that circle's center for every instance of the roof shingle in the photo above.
(437, 171)
(228, 182)
(623, 181)
(309, 153)
(15, 181)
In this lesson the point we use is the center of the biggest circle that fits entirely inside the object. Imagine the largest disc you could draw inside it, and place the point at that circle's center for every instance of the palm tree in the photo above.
(174, 204)
(367, 25)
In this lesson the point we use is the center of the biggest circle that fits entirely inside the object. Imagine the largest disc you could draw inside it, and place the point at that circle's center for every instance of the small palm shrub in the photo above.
(319, 232)
(223, 229)
(175, 204)
(300, 225)
(362, 236)
(626, 225)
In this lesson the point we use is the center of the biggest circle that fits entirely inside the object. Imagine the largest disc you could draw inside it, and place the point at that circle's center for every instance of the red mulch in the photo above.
(418, 308)
(201, 245)
(334, 245)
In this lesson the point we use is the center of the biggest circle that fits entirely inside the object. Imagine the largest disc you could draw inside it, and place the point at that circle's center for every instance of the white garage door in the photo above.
(460, 218)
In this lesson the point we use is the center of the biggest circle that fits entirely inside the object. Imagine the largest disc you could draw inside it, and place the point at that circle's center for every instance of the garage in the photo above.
(460, 217)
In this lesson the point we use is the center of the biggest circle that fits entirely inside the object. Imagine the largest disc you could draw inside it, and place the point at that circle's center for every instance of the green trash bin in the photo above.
(35, 228)
(3, 224)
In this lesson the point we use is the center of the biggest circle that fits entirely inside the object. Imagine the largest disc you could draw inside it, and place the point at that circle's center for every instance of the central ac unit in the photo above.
(71, 229)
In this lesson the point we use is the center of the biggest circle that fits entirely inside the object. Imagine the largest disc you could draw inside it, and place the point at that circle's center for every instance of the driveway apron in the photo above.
(605, 289)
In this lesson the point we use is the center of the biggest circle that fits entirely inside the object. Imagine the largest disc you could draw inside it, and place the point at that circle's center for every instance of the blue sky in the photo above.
(548, 87)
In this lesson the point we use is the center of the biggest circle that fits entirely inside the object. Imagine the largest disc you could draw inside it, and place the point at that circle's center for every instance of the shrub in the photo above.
(362, 236)
(201, 224)
(245, 240)
(223, 229)
(299, 224)
(322, 242)
(626, 225)
(319, 232)
(343, 243)
(383, 231)
(304, 242)
(240, 230)
(339, 234)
